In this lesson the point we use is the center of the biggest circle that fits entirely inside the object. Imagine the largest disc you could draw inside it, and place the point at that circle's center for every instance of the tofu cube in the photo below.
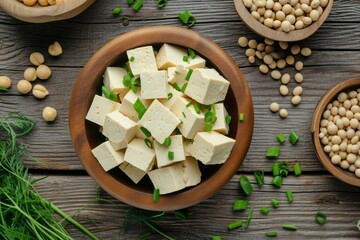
(207, 86)
(177, 75)
(159, 121)
(132, 172)
(176, 147)
(192, 174)
(168, 179)
(107, 156)
(119, 129)
(174, 95)
(113, 80)
(140, 155)
(211, 147)
(127, 105)
(171, 56)
(154, 85)
(99, 108)
(191, 121)
(220, 123)
(143, 60)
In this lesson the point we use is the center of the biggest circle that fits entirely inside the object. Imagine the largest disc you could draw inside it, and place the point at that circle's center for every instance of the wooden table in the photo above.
(335, 58)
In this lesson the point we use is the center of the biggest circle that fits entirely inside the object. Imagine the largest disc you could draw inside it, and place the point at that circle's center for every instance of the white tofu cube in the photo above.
(119, 129)
(113, 80)
(127, 105)
(107, 156)
(174, 95)
(191, 121)
(171, 56)
(192, 174)
(178, 75)
(168, 179)
(154, 85)
(141, 60)
(220, 123)
(207, 86)
(187, 147)
(211, 147)
(99, 108)
(159, 121)
(132, 172)
(139, 155)
(176, 147)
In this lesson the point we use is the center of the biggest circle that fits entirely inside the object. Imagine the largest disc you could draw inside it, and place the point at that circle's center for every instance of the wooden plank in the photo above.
(312, 193)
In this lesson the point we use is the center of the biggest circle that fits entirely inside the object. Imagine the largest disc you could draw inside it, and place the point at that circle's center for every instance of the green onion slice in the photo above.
(187, 18)
(234, 225)
(289, 196)
(228, 119)
(277, 181)
(161, 3)
(216, 237)
(138, 4)
(146, 132)
(275, 203)
(139, 108)
(290, 227)
(116, 11)
(183, 88)
(167, 142)
(240, 204)
(170, 95)
(273, 152)
(188, 75)
(176, 86)
(189, 104)
(130, 2)
(275, 169)
(264, 210)
(280, 137)
(180, 215)
(148, 143)
(271, 234)
(259, 176)
(208, 127)
(246, 185)
(191, 53)
(294, 138)
(156, 195)
(197, 108)
(320, 218)
(132, 58)
(241, 117)
(109, 94)
(297, 169)
(248, 219)
(171, 155)
(186, 59)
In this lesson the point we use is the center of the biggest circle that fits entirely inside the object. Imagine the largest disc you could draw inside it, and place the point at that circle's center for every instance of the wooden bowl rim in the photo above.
(343, 175)
(291, 36)
(156, 35)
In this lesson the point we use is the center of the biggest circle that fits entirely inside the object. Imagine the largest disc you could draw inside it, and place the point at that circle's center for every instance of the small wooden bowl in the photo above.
(338, 172)
(85, 135)
(39, 14)
(291, 36)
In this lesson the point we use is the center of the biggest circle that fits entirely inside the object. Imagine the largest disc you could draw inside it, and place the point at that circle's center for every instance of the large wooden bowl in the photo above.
(85, 135)
(337, 171)
(39, 14)
(291, 36)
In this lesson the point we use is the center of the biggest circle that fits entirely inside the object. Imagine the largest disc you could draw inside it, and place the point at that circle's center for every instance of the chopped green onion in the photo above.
(259, 176)
(228, 119)
(248, 219)
(146, 132)
(136, 82)
(183, 88)
(197, 108)
(216, 238)
(246, 185)
(208, 127)
(186, 59)
(192, 53)
(275, 203)
(297, 169)
(209, 116)
(321, 218)
(170, 95)
(4, 90)
(171, 155)
(264, 210)
(294, 138)
(290, 227)
(156, 195)
(188, 75)
(109, 94)
(184, 114)
(275, 169)
(137, 5)
(280, 137)
(241, 117)
(176, 86)
(139, 108)
(277, 181)
(167, 142)
(187, 18)
(132, 58)
(234, 225)
(116, 11)
(176, 72)
(127, 79)
(289, 196)
(189, 104)
(180, 215)
(161, 3)
(130, 2)
(148, 143)
(273, 152)
(271, 234)
(133, 88)
(284, 170)
(240, 204)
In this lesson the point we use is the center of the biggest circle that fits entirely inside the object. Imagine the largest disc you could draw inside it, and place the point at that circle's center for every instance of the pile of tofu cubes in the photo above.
(169, 112)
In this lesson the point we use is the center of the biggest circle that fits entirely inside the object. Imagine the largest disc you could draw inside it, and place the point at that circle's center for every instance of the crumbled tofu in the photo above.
(107, 156)
(139, 155)
(127, 105)
(134, 173)
(220, 123)
(191, 121)
(178, 75)
(171, 56)
(174, 95)
(99, 108)
(119, 129)
(154, 85)
(211, 147)
(159, 121)
(143, 60)
(207, 86)
(176, 147)
(192, 174)
(113, 80)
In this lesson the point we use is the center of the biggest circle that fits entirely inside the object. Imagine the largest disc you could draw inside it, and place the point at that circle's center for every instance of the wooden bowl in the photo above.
(337, 171)
(85, 135)
(291, 36)
(39, 14)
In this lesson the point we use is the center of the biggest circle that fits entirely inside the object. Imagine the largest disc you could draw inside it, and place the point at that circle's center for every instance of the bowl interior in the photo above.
(86, 136)
(291, 36)
(337, 171)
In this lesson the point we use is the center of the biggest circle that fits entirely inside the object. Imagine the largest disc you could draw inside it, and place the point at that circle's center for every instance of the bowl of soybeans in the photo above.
(336, 131)
(284, 20)
(40, 11)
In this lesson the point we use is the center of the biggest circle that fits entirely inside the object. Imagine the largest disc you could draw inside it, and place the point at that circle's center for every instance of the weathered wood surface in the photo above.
(335, 58)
